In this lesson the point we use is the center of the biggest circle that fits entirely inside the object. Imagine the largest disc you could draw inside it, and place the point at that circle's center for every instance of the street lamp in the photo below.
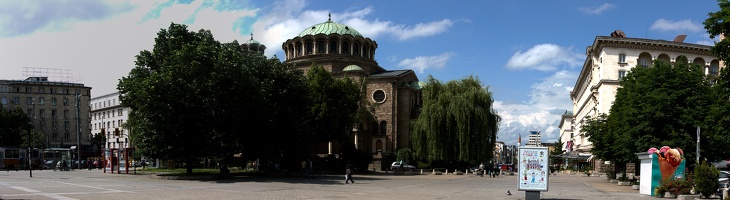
(78, 133)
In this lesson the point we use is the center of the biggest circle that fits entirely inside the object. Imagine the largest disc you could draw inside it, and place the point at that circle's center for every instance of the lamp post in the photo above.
(30, 142)
(78, 133)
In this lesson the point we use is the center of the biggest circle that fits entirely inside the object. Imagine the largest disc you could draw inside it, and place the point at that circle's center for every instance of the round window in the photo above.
(379, 96)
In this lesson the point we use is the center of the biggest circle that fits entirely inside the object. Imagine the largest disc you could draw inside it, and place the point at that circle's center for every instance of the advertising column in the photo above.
(533, 171)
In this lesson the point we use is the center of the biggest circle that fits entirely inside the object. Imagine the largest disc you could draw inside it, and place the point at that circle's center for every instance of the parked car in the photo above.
(50, 164)
(723, 181)
(400, 165)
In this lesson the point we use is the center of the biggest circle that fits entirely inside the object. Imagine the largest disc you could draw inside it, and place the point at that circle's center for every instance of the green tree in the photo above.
(655, 106)
(334, 105)
(714, 137)
(457, 122)
(14, 125)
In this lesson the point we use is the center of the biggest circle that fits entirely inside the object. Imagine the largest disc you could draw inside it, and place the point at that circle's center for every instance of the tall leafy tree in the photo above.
(656, 106)
(457, 122)
(334, 105)
(14, 125)
(714, 137)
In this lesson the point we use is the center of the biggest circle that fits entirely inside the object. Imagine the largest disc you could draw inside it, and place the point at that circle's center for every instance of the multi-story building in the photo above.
(60, 110)
(534, 139)
(608, 60)
(108, 114)
(392, 96)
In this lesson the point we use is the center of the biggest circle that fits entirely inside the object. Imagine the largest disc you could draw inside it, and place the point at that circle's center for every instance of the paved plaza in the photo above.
(83, 184)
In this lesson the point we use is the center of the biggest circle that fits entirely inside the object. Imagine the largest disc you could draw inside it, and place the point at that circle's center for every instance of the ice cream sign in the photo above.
(533, 169)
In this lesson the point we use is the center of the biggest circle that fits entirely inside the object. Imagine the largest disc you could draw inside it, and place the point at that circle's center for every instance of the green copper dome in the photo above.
(329, 27)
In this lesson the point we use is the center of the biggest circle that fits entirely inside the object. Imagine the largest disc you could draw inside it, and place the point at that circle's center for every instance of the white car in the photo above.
(401, 165)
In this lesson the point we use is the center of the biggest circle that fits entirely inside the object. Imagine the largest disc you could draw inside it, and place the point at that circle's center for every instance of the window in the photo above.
(28, 89)
(379, 96)
(379, 146)
(30, 113)
(374, 128)
(622, 57)
(5, 100)
(53, 101)
(16, 100)
(55, 126)
(120, 112)
(41, 90)
(29, 100)
(333, 46)
(714, 67)
(345, 48)
(55, 135)
(66, 136)
(112, 114)
(42, 113)
(66, 125)
(42, 101)
(621, 74)
(52, 90)
(383, 127)
(65, 101)
(114, 102)
(43, 125)
(65, 114)
(53, 114)
(310, 47)
(320, 46)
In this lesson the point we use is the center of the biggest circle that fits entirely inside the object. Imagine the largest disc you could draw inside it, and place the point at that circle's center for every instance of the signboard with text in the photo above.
(533, 169)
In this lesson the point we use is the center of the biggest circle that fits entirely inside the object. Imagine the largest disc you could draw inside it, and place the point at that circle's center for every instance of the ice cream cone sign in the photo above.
(668, 159)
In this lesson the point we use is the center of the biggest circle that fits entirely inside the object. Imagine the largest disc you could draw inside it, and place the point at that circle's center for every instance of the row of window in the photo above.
(334, 47)
(104, 104)
(42, 113)
(54, 125)
(645, 60)
(110, 124)
(107, 114)
(42, 90)
(30, 101)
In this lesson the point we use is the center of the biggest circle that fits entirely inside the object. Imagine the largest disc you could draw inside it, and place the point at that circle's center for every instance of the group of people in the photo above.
(307, 168)
(490, 169)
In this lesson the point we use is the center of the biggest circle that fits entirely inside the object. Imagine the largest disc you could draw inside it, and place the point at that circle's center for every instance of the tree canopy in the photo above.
(14, 126)
(656, 106)
(457, 122)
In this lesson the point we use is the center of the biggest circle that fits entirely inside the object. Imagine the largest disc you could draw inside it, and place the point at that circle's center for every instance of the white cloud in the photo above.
(544, 57)
(422, 63)
(103, 51)
(549, 99)
(597, 10)
(677, 26)
(289, 17)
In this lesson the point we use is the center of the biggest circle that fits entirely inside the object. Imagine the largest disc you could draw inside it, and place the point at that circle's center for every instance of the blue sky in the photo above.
(528, 53)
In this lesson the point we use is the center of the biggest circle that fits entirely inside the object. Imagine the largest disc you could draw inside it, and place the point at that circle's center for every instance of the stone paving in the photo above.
(83, 184)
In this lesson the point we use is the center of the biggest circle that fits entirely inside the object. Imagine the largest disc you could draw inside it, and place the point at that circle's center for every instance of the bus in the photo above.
(16, 158)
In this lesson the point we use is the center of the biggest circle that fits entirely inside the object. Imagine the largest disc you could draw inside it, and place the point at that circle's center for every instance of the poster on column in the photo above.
(533, 169)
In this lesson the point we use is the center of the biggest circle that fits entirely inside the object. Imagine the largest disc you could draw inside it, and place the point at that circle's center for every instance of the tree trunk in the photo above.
(189, 166)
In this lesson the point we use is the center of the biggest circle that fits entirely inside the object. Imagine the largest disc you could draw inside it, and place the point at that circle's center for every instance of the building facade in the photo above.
(608, 60)
(534, 139)
(391, 96)
(60, 110)
(108, 115)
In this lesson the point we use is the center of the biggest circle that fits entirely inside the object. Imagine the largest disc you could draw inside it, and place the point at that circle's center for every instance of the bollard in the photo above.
(447, 171)
(421, 171)
(434, 171)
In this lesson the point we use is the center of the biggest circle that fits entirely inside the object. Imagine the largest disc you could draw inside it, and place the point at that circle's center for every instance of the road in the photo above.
(94, 184)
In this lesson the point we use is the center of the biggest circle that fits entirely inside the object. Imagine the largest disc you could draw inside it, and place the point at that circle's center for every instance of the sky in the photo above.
(527, 53)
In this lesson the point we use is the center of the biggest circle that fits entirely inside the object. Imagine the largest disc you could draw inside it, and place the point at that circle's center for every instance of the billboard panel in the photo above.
(533, 169)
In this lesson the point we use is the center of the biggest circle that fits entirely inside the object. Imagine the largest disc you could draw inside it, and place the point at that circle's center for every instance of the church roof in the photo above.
(352, 68)
(329, 27)
(393, 73)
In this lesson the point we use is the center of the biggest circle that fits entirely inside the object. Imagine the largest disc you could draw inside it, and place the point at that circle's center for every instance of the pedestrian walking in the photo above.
(348, 173)
(88, 163)
(481, 169)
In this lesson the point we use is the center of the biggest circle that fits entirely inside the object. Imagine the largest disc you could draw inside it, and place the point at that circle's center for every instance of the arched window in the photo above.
(681, 60)
(644, 59)
(699, 61)
(310, 47)
(320, 46)
(299, 48)
(715, 67)
(665, 58)
(333, 46)
(383, 127)
(345, 47)
(365, 51)
(378, 145)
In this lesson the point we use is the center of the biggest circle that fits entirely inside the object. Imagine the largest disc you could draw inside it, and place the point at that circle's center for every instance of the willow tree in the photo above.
(457, 122)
